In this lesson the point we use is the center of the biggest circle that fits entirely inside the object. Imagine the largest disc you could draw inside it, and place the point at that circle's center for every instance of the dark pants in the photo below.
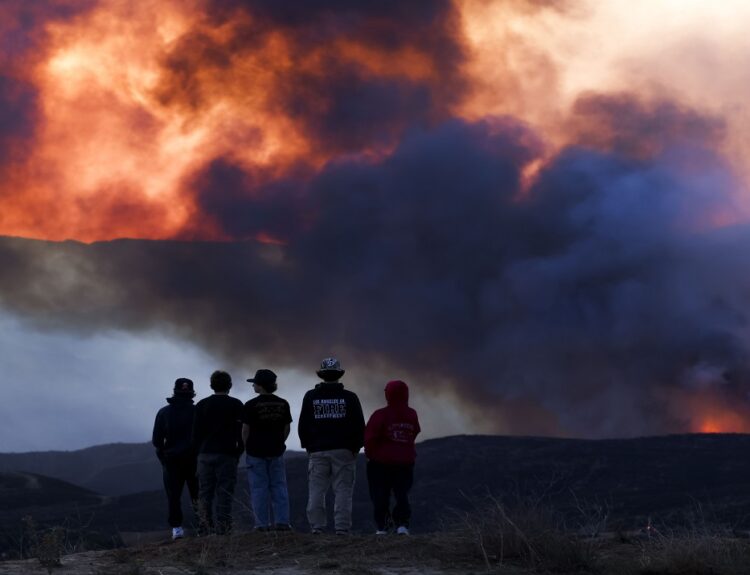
(383, 480)
(217, 476)
(177, 472)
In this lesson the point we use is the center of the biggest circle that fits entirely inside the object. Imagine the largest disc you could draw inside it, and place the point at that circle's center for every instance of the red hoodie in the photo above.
(390, 433)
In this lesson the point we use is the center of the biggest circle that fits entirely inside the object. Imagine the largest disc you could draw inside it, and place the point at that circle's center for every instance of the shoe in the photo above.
(262, 529)
(316, 531)
(381, 532)
(177, 533)
(283, 527)
(402, 530)
(342, 532)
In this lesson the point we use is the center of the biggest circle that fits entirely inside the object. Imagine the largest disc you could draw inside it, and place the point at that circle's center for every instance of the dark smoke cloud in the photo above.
(574, 309)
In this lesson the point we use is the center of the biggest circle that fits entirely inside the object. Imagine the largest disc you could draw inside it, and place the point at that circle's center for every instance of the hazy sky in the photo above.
(534, 212)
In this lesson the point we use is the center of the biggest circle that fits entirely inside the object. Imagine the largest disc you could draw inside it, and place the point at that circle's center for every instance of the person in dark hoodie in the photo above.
(217, 439)
(331, 428)
(172, 439)
(390, 452)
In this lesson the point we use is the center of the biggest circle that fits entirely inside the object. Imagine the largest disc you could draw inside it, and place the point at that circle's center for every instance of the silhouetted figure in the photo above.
(390, 452)
(331, 429)
(265, 427)
(172, 439)
(217, 438)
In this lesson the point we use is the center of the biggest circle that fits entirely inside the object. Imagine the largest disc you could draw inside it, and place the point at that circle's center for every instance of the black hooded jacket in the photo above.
(173, 428)
(331, 418)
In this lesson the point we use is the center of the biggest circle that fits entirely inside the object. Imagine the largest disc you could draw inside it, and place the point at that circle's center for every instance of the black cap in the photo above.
(183, 386)
(265, 378)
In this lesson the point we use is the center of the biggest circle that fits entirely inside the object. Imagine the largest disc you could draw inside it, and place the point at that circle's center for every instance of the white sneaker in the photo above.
(177, 533)
(381, 532)
(402, 530)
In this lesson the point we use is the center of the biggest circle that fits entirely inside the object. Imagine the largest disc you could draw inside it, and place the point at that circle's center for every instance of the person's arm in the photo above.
(358, 425)
(245, 433)
(288, 418)
(198, 431)
(303, 427)
(372, 432)
(239, 441)
(157, 435)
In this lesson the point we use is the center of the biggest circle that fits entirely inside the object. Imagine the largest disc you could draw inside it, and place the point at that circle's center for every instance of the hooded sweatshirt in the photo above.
(173, 428)
(331, 418)
(391, 431)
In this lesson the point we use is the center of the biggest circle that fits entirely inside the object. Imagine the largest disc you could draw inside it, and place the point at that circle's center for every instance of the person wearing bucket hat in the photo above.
(172, 439)
(265, 427)
(331, 429)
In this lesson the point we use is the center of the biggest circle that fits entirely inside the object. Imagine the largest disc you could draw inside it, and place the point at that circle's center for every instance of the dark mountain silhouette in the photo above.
(669, 480)
(113, 469)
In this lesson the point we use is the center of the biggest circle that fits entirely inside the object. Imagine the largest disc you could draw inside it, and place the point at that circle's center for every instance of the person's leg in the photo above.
(173, 482)
(226, 479)
(279, 491)
(343, 464)
(257, 476)
(318, 481)
(207, 491)
(191, 480)
(379, 494)
(402, 477)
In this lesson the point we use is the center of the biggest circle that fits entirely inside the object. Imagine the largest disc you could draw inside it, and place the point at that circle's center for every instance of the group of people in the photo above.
(199, 446)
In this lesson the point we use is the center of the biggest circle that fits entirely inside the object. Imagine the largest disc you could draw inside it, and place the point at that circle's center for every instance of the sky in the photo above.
(533, 212)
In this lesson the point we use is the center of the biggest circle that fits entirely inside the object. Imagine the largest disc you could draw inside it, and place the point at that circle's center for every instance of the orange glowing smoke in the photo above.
(706, 410)
(120, 129)
(124, 119)
(727, 422)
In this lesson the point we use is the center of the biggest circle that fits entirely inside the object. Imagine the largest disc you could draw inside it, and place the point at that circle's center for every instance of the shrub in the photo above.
(528, 534)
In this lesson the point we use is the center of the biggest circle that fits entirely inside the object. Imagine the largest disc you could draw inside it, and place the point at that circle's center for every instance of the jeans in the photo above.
(178, 472)
(217, 476)
(337, 468)
(384, 479)
(267, 477)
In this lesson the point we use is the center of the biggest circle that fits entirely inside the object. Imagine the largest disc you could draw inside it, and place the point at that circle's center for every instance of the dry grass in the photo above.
(523, 539)
(363, 554)
(695, 553)
(529, 535)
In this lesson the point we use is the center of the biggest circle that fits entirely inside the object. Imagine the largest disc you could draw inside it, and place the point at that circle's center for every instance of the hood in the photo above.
(397, 393)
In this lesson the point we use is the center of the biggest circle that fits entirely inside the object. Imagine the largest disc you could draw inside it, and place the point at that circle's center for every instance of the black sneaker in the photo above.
(283, 527)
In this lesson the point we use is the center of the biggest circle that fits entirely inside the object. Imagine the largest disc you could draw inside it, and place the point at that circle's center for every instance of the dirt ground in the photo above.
(273, 554)
(471, 552)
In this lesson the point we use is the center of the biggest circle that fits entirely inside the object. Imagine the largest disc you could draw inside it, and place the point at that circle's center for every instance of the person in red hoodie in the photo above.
(390, 452)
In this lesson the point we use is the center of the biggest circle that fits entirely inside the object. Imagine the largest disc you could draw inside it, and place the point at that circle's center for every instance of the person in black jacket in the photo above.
(331, 428)
(172, 439)
(217, 439)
